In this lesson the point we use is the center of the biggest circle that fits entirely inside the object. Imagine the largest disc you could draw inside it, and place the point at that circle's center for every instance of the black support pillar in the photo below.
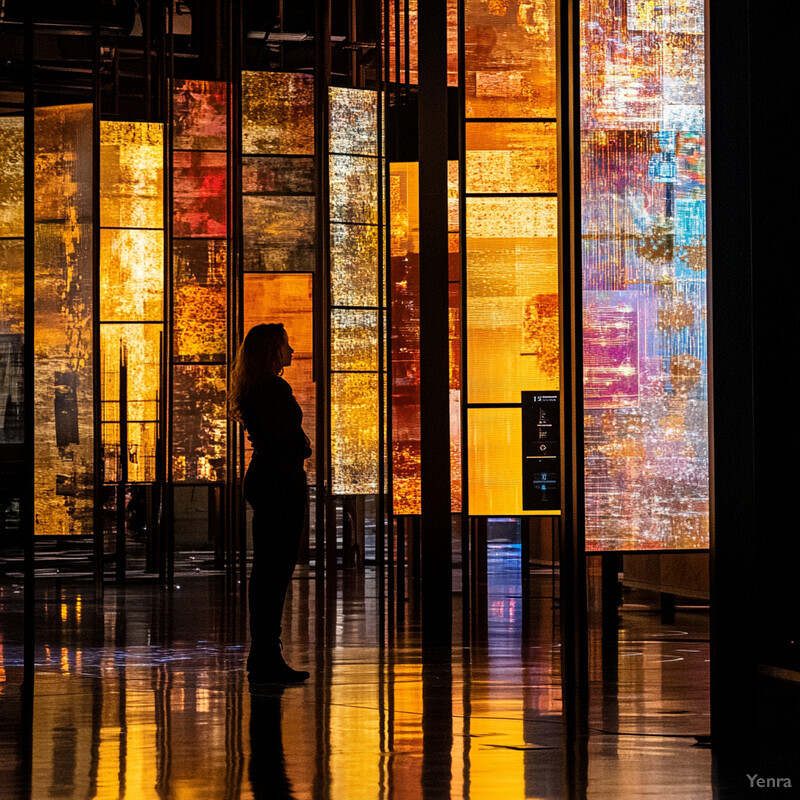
(434, 346)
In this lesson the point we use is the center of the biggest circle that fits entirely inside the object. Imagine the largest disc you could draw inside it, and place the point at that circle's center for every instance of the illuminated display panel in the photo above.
(199, 281)
(511, 211)
(405, 344)
(288, 298)
(64, 357)
(277, 113)
(12, 280)
(355, 385)
(131, 291)
(644, 278)
(279, 233)
(510, 54)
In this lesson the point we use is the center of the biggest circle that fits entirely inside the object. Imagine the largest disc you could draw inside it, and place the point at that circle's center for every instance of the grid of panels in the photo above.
(644, 275)
(511, 236)
(199, 280)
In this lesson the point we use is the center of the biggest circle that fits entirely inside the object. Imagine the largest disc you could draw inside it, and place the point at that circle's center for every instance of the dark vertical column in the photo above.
(574, 649)
(434, 336)
(732, 546)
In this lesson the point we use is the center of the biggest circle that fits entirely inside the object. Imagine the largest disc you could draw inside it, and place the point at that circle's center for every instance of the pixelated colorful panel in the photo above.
(12, 321)
(503, 157)
(277, 175)
(199, 193)
(354, 189)
(12, 218)
(277, 113)
(354, 432)
(131, 275)
(64, 358)
(512, 297)
(644, 278)
(353, 121)
(200, 300)
(200, 115)
(199, 423)
(278, 233)
(510, 52)
(131, 174)
(354, 339)
(288, 299)
(354, 259)
(495, 462)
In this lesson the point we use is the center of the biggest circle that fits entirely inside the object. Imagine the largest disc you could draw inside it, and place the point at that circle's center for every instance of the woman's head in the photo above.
(263, 354)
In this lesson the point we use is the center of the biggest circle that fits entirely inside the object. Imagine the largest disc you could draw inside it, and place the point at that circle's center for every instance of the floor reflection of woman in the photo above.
(275, 487)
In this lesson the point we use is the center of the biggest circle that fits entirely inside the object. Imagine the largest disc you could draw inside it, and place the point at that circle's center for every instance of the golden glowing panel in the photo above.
(495, 462)
(354, 432)
(199, 193)
(199, 421)
(288, 299)
(12, 218)
(353, 121)
(277, 113)
(200, 115)
(354, 259)
(512, 298)
(354, 339)
(12, 286)
(354, 189)
(279, 233)
(142, 344)
(131, 275)
(64, 360)
(510, 57)
(131, 174)
(200, 300)
(503, 157)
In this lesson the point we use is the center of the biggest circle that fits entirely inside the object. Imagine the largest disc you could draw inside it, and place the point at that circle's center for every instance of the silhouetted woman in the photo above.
(275, 487)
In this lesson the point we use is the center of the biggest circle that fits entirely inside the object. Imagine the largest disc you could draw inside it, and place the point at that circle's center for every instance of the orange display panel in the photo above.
(63, 321)
(354, 254)
(12, 218)
(288, 298)
(512, 297)
(279, 233)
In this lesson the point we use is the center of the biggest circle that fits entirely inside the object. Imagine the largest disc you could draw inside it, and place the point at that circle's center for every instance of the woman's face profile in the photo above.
(286, 352)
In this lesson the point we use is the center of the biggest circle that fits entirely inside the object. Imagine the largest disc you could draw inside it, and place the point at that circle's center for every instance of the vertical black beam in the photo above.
(122, 479)
(322, 72)
(733, 533)
(27, 505)
(574, 647)
(434, 332)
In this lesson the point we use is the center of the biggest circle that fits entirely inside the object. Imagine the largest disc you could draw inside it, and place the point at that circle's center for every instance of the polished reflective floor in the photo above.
(145, 697)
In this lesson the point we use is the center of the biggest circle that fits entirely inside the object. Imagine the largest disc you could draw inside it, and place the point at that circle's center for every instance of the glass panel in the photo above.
(354, 260)
(354, 339)
(354, 189)
(277, 113)
(200, 115)
(200, 194)
(131, 175)
(514, 157)
(510, 52)
(354, 432)
(288, 299)
(512, 297)
(12, 322)
(200, 300)
(199, 420)
(12, 217)
(277, 175)
(495, 461)
(63, 361)
(644, 275)
(279, 233)
(353, 121)
(131, 275)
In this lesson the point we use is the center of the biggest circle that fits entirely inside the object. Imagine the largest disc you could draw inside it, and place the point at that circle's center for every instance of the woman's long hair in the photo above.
(259, 357)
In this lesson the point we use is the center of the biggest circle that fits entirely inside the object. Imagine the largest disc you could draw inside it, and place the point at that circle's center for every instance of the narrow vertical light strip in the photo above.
(644, 275)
